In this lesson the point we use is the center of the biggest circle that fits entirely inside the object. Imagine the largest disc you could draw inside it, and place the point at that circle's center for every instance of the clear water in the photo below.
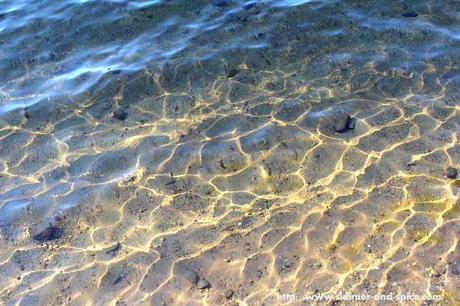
(147, 145)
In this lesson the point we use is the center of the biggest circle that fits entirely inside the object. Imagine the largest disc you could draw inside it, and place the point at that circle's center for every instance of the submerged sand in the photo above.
(225, 181)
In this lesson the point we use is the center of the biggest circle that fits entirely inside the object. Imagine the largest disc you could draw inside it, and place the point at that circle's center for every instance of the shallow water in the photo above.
(147, 145)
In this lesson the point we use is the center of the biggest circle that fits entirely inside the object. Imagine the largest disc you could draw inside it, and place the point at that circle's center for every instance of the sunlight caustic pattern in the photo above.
(231, 182)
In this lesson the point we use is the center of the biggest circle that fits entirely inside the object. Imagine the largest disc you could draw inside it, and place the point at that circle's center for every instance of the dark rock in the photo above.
(229, 294)
(451, 173)
(26, 114)
(53, 56)
(455, 268)
(219, 3)
(114, 249)
(120, 114)
(232, 73)
(410, 165)
(410, 14)
(439, 272)
(341, 122)
(117, 280)
(351, 123)
(49, 233)
(203, 284)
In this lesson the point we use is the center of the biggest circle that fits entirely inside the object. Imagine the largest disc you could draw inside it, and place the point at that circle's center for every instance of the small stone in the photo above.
(120, 114)
(451, 173)
(411, 14)
(229, 294)
(114, 249)
(26, 114)
(351, 123)
(455, 268)
(117, 280)
(203, 284)
(232, 73)
(342, 122)
(410, 165)
(49, 233)
(437, 274)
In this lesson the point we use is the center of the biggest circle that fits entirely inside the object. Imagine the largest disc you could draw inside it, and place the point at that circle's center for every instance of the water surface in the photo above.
(226, 152)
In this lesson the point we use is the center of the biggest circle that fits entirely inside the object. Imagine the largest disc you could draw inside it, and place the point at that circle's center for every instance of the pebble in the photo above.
(410, 14)
(229, 293)
(343, 122)
(232, 73)
(410, 165)
(114, 249)
(120, 114)
(203, 284)
(351, 123)
(49, 233)
(455, 268)
(451, 173)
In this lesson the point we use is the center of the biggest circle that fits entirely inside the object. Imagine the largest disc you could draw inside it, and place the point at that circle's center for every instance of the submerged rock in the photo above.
(203, 284)
(451, 173)
(342, 122)
(114, 248)
(120, 114)
(410, 14)
(232, 73)
(351, 124)
(455, 268)
(49, 233)
(229, 294)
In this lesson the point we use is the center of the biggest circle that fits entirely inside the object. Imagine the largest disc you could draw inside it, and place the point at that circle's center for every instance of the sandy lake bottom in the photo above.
(229, 152)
